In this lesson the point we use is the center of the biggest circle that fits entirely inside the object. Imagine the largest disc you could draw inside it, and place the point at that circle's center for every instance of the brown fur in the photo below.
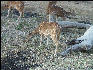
(58, 11)
(46, 28)
(18, 5)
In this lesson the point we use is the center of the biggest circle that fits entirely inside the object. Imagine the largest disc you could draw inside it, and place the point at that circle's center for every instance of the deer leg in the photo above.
(20, 14)
(55, 40)
(52, 18)
(56, 18)
(9, 12)
(47, 40)
(56, 49)
(41, 39)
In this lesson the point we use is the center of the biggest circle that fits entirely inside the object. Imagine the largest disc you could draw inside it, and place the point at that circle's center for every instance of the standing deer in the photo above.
(45, 29)
(18, 5)
(53, 9)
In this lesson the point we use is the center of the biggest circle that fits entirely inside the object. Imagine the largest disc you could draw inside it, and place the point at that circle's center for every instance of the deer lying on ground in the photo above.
(45, 29)
(87, 38)
(58, 11)
(84, 42)
(18, 5)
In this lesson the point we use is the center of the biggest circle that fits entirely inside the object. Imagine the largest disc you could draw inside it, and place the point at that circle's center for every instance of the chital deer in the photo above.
(18, 5)
(45, 29)
(87, 38)
(58, 11)
(83, 43)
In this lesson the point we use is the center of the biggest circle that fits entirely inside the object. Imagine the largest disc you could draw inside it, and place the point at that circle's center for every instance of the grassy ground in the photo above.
(17, 55)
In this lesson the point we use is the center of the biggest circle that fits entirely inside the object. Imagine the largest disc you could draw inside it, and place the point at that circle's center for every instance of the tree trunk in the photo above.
(68, 24)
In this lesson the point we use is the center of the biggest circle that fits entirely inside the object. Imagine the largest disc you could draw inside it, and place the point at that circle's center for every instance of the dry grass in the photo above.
(19, 55)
